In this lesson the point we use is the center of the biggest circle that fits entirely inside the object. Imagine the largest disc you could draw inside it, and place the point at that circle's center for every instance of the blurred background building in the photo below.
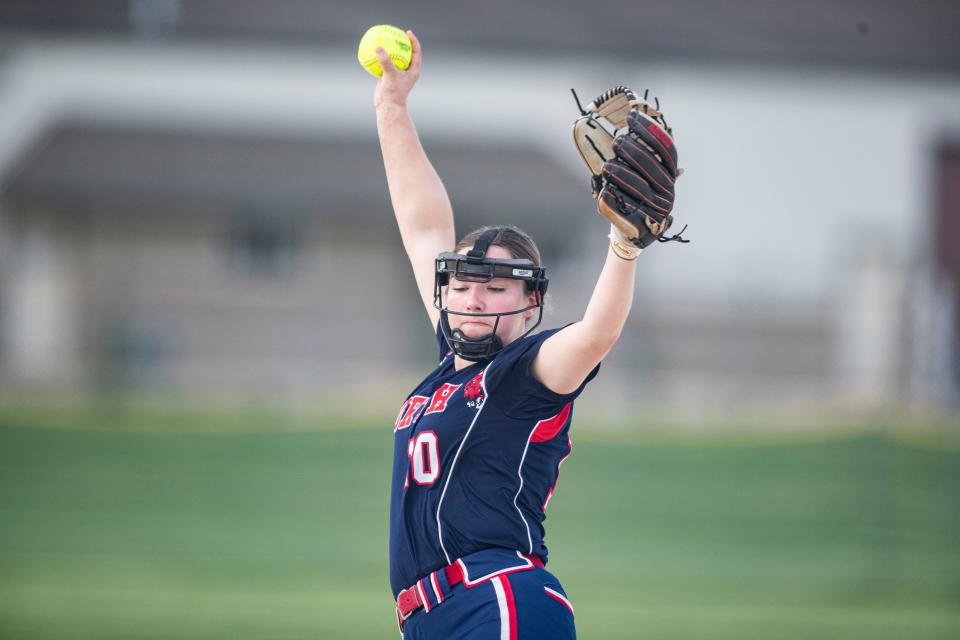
(192, 200)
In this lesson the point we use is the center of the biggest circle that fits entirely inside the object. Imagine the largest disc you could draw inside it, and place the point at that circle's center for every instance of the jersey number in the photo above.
(424, 458)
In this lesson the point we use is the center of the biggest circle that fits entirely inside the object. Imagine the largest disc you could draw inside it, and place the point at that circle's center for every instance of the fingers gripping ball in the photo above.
(393, 40)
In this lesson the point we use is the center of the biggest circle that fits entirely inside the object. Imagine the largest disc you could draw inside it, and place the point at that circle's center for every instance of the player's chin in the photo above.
(475, 329)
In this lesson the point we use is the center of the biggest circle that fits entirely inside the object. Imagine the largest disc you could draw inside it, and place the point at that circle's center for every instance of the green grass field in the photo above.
(120, 534)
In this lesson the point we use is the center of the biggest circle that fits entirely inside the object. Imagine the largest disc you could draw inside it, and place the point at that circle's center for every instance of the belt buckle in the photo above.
(406, 593)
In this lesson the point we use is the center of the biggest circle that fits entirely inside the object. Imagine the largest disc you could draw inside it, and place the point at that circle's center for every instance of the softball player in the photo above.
(479, 442)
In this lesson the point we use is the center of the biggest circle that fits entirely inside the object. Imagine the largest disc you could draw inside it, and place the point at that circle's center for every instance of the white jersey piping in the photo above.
(486, 399)
(520, 475)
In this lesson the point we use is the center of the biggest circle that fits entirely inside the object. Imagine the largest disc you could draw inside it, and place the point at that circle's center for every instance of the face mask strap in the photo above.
(481, 245)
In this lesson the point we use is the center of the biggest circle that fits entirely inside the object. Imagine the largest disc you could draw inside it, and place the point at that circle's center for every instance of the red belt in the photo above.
(410, 600)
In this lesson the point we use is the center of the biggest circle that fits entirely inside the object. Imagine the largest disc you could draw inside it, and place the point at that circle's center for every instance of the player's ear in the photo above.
(531, 301)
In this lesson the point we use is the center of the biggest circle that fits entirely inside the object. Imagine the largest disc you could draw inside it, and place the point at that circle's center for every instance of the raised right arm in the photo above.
(419, 199)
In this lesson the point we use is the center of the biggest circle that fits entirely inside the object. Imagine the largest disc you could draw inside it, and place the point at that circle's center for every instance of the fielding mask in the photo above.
(475, 267)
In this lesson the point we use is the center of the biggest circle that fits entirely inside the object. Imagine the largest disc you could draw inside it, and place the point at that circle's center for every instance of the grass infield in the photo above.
(125, 534)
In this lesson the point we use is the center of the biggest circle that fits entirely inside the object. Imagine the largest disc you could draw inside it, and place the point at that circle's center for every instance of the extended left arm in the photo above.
(633, 182)
(566, 357)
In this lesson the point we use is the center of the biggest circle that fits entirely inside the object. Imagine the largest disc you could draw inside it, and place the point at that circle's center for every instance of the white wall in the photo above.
(786, 170)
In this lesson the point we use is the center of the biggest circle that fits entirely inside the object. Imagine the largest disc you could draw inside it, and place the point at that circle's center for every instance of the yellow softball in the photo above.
(393, 40)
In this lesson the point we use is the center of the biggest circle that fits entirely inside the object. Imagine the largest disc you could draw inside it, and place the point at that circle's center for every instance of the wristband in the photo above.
(621, 246)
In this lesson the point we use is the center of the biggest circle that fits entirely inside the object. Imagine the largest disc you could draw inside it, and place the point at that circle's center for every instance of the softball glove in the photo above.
(633, 172)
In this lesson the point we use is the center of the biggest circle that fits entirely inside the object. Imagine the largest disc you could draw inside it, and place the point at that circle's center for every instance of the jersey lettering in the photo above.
(425, 458)
(403, 411)
(410, 411)
(439, 400)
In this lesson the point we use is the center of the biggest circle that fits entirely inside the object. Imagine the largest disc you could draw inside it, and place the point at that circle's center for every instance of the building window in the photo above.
(263, 248)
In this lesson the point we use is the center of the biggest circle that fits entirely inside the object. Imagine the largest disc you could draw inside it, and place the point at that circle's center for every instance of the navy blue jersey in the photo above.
(477, 454)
